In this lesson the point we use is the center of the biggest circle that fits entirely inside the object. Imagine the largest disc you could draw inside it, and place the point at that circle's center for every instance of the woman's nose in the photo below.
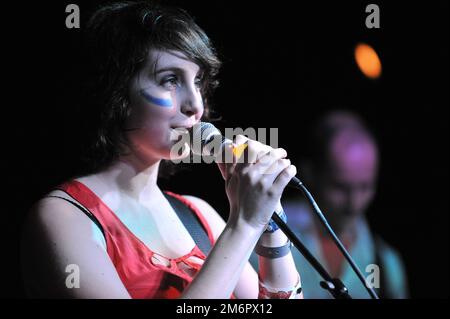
(192, 103)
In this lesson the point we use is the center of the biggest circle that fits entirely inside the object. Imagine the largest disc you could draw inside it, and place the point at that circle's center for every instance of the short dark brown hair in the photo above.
(118, 38)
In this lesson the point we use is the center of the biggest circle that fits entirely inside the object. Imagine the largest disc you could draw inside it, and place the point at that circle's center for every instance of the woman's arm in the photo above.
(254, 190)
(61, 246)
(280, 272)
(224, 266)
(247, 285)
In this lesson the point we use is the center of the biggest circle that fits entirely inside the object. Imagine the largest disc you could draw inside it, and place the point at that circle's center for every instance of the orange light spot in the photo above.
(368, 61)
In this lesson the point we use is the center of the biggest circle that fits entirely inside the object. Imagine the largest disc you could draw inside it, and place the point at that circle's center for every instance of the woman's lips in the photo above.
(186, 127)
(177, 133)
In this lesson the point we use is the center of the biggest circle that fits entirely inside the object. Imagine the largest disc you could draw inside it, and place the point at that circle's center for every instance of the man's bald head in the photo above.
(345, 164)
(353, 153)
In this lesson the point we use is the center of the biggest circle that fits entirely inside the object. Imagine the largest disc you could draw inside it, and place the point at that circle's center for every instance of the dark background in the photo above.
(285, 63)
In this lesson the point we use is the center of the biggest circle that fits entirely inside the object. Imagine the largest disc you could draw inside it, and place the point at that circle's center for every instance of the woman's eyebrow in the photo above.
(170, 68)
(173, 69)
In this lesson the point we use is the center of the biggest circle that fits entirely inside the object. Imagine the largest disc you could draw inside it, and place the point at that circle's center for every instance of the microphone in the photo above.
(206, 139)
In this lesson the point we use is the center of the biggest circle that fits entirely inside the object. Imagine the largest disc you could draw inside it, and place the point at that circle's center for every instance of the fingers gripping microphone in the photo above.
(207, 140)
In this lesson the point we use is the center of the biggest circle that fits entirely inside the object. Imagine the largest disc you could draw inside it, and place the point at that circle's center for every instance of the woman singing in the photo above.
(151, 72)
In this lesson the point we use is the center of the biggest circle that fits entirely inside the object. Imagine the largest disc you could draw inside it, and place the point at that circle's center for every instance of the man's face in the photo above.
(347, 184)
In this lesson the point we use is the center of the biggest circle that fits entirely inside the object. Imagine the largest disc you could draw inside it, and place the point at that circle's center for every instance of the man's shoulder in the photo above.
(385, 249)
(390, 257)
(393, 268)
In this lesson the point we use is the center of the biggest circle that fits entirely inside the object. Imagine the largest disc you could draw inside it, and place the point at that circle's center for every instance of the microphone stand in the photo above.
(333, 285)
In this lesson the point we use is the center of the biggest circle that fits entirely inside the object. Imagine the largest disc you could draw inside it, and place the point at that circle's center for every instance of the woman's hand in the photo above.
(254, 187)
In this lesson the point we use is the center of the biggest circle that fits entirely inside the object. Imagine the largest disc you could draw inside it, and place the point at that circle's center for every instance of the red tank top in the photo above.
(131, 257)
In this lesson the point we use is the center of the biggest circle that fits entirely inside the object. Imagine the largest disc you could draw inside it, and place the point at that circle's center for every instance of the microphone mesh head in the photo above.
(201, 134)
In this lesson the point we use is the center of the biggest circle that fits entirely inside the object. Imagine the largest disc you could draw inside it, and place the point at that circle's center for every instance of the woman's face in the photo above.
(165, 97)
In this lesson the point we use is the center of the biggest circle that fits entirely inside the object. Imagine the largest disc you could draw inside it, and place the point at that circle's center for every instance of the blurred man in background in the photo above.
(341, 173)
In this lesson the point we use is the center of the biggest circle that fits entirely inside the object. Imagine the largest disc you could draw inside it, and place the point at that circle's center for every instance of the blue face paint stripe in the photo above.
(157, 101)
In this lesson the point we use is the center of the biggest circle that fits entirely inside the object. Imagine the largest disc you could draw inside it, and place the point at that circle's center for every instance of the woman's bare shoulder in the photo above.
(56, 237)
(55, 217)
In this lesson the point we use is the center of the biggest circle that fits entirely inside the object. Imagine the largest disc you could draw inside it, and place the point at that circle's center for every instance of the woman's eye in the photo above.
(199, 82)
(173, 82)
(170, 81)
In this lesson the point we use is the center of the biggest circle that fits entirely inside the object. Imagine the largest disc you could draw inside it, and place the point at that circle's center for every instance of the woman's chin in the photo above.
(179, 152)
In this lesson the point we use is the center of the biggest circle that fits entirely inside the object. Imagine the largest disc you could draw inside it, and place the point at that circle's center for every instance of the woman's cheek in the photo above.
(164, 102)
(153, 139)
(150, 109)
